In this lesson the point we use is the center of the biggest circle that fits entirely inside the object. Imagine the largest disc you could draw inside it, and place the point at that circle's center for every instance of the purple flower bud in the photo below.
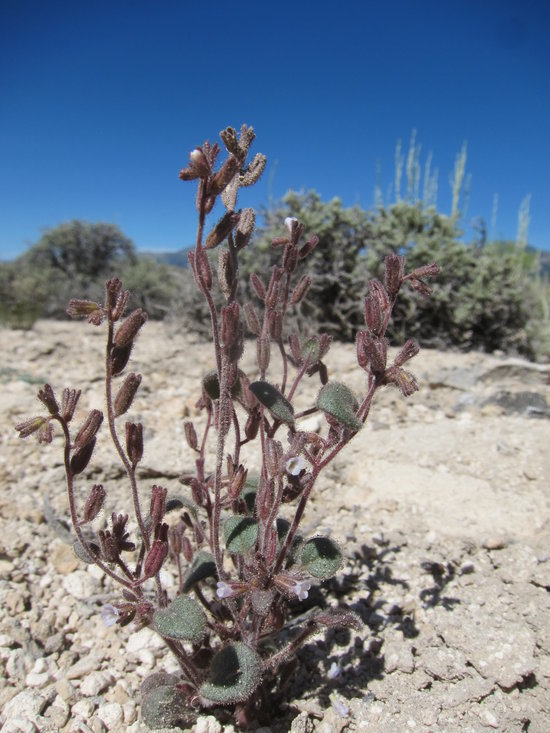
(81, 457)
(94, 503)
(69, 401)
(47, 397)
(126, 394)
(134, 442)
(89, 428)
(128, 330)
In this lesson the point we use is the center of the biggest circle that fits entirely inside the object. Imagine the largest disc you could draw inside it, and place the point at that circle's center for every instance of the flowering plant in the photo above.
(233, 535)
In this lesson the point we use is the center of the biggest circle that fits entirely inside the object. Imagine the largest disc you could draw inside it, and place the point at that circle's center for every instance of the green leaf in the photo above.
(202, 567)
(240, 534)
(249, 492)
(165, 707)
(321, 557)
(338, 401)
(182, 619)
(276, 403)
(235, 673)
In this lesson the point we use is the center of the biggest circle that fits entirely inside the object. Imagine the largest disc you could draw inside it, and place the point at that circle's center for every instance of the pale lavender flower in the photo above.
(295, 465)
(109, 614)
(334, 671)
(230, 590)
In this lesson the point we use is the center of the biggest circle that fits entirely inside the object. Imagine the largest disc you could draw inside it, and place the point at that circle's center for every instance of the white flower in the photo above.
(230, 590)
(295, 465)
(109, 614)
(289, 222)
(301, 588)
(224, 590)
(334, 671)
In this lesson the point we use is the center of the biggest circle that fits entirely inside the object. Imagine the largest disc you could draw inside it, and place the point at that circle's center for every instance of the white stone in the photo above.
(111, 714)
(96, 682)
(27, 704)
(143, 639)
(83, 708)
(19, 725)
(79, 584)
(207, 724)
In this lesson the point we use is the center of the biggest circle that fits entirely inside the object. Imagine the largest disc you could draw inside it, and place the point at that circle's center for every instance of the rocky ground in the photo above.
(441, 504)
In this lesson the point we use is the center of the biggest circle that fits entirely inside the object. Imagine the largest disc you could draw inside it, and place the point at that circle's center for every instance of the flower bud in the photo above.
(245, 228)
(89, 428)
(410, 349)
(431, 270)
(221, 231)
(204, 270)
(291, 222)
(86, 309)
(30, 426)
(258, 286)
(120, 355)
(300, 290)
(94, 504)
(158, 552)
(126, 394)
(191, 435)
(230, 323)
(295, 348)
(157, 509)
(134, 442)
(81, 457)
(47, 397)
(199, 163)
(224, 176)
(237, 482)
(128, 330)
(403, 380)
(394, 274)
(275, 323)
(69, 400)
(252, 320)
(308, 247)
(263, 352)
(253, 170)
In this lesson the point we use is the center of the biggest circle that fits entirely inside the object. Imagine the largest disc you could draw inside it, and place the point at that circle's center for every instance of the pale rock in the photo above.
(130, 712)
(83, 667)
(58, 712)
(111, 714)
(83, 708)
(143, 639)
(207, 724)
(63, 558)
(96, 682)
(17, 664)
(19, 725)
(27, 704)
(65, 689)
(79, 584)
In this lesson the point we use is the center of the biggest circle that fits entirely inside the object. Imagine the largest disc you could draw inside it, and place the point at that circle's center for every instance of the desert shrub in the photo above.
(79, 254)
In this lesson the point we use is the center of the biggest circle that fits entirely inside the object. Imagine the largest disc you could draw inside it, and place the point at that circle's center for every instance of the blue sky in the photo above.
(102, 102)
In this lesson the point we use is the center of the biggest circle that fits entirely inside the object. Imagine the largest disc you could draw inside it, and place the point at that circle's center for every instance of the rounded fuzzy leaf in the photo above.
(321, 557)
(240, 534)
(182, 619)
(165, 707)
(270, 397)
(338, 401)
(211, 385)
(235, 673)
(249, 492)
(81, 553)
(203, 566)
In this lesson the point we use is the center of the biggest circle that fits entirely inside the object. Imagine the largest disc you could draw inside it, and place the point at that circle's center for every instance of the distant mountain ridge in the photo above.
(177, 258)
